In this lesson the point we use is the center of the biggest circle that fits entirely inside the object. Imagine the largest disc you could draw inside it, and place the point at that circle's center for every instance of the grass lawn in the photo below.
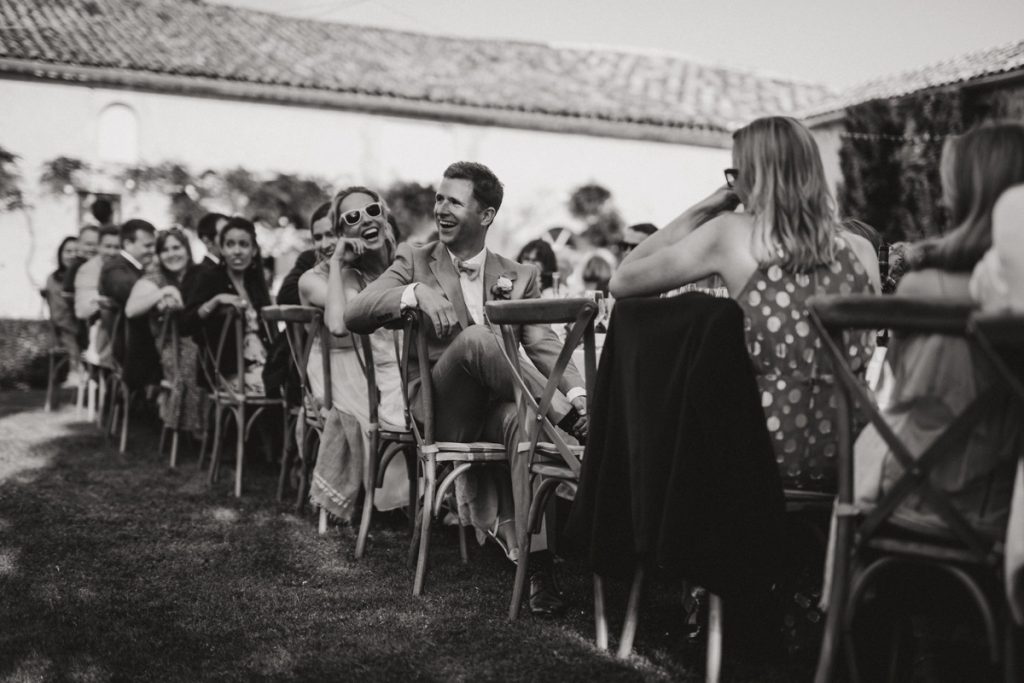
(118, 568)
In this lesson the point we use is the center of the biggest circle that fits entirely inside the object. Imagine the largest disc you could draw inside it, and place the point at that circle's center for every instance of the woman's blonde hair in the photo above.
(779, 164)
(976, 168)
(334, 216)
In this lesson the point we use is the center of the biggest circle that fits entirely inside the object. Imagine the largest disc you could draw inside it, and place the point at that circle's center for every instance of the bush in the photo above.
(23, 353)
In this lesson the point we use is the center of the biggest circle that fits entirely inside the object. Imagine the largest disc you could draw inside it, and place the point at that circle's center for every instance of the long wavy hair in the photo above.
(976, 168)
(338, 225)
(161, 241)
(780, 165)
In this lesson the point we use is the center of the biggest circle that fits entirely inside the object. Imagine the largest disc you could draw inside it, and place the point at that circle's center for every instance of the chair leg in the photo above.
(632, 614)
(80, 391)
(417, 521)
(127, 399)
(522, 571)
(322, 525)
(215, 451)
(713, 667)
(163, 437)
(206, 435)
(600, 619)
(50, 379)
(174, 448)
(463, 546)
(239, 449)
(414, 486)
(312, 444)
(835, 616)
(426, 514)
(282, 476)
(369, 486)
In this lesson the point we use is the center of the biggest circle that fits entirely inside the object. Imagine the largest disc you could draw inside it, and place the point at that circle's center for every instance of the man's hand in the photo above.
(582, 426)
(438, 309)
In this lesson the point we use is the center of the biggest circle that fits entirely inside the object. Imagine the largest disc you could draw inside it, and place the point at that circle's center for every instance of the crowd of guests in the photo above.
(768, 239)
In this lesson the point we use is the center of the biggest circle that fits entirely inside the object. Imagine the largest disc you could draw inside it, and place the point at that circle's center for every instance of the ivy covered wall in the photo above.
(891, 149)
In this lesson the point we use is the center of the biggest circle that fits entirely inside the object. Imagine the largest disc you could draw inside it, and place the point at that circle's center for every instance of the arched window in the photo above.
(118, 138)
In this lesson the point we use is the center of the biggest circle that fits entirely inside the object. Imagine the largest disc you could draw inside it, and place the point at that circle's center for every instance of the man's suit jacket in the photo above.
(141, 362)
(430, 264)
(289, 291)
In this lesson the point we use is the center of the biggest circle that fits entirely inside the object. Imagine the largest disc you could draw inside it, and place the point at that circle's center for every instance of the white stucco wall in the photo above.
(829, 141)
(40, 121)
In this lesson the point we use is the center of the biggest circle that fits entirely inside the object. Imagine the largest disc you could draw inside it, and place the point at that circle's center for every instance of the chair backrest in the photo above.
(579, 315)
(303, 326)
(833, 315)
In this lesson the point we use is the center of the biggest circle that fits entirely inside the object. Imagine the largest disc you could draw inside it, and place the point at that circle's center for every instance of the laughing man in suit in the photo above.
(449, 281)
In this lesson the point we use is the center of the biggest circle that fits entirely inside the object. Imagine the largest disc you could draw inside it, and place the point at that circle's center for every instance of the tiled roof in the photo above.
(962, 69)
(192, 39)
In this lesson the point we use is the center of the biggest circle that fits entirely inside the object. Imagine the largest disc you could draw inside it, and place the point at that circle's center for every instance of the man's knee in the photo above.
(477, 342)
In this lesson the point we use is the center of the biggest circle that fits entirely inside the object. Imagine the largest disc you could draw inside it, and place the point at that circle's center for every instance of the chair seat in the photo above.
(231, 397)
(553, 471)
(798, 500)
(472, 451)
(397, 436)
(547, 448)
(913, 543)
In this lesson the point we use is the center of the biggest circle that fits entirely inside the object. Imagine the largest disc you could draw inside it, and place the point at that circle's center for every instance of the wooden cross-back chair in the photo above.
(57, 358)
(303, 326)
(386, 441)
(230, 399)
(118, 395)
(552, 463)
(434, 455)
(169, 335)
(868, 540)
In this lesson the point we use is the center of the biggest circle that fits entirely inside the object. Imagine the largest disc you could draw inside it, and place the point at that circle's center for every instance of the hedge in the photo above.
(23, 353)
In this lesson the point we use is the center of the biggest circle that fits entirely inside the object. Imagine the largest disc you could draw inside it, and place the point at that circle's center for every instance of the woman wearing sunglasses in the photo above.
(365, 248)
(785, 247)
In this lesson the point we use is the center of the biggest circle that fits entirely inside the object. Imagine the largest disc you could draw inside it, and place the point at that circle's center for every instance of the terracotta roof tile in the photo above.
(190, 38)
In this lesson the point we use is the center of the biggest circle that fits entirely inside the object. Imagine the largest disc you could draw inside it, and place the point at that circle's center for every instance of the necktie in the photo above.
(472, 270)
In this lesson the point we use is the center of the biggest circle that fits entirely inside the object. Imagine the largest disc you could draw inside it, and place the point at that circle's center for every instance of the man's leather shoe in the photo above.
(545, 598)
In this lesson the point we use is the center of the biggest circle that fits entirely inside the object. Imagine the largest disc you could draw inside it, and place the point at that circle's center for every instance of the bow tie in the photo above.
(472, 270)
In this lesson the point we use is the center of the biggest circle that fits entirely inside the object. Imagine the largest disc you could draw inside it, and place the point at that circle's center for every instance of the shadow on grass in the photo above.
(115, 567)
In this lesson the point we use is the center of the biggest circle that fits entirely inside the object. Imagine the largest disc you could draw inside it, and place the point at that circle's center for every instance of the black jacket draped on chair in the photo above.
(679, 468)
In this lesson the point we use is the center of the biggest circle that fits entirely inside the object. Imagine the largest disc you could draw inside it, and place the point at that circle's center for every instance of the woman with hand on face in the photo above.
(784, 248)
(158, 294)
(238, 282)
(365, 246)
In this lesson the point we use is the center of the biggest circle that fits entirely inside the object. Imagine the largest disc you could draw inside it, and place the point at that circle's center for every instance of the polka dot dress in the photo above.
(796, 394)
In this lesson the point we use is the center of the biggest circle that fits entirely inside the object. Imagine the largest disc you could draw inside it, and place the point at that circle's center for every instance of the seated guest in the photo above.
(540, 254)
(784, 249)
(289, 290)
(61, 316)
(87, 246)
(356, 245)
(88, 299)
(448, 282)
(208, 228)
(998, 280)
(238, 281)
(156, 295)
(634, 235)
(935, 377)
(140, 363)
(597, 273)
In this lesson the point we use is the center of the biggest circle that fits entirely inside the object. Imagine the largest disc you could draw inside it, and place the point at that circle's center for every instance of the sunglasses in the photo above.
(353, 217)
(731, 174)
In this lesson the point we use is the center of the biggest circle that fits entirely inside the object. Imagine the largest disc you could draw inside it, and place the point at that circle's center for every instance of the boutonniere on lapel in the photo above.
(502, 289)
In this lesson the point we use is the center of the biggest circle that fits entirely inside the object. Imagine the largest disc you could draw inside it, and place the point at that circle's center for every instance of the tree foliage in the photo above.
(11, 198)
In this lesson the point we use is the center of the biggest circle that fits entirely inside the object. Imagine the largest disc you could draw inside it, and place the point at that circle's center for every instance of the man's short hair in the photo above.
(108, 230)
(644, 228)
(87, 228)
(102, 210)
(319, 214)
(131, 229)
(206, 228)
(487, 189)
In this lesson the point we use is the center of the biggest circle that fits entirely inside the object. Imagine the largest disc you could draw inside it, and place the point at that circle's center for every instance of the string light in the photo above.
(895, 138)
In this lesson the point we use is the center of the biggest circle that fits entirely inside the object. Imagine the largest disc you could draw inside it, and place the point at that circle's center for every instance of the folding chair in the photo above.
(552, 463)
(435, 455)
(385, 444)
(868, 541)
(231, 400)
(303, 325)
